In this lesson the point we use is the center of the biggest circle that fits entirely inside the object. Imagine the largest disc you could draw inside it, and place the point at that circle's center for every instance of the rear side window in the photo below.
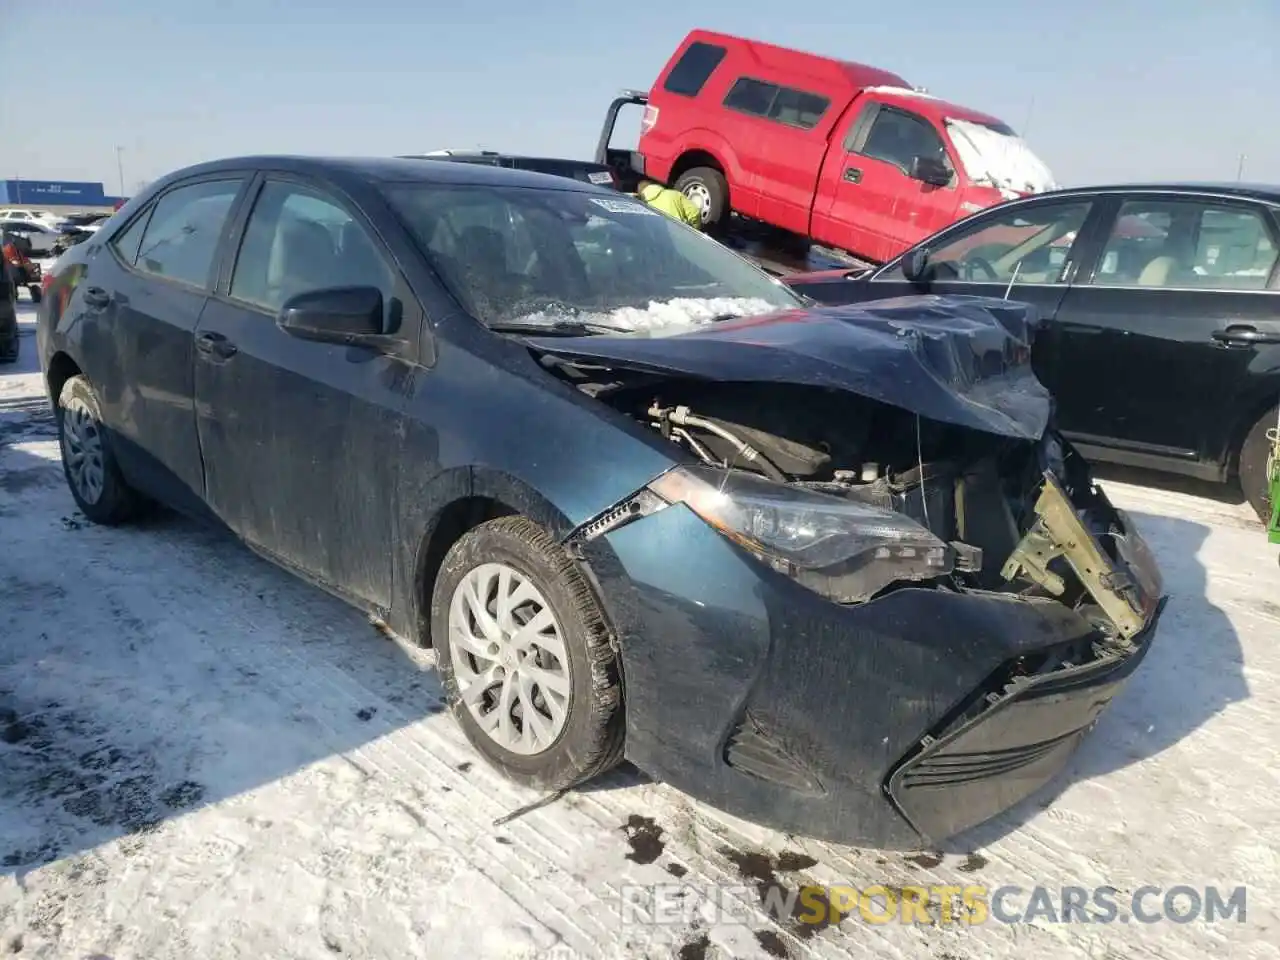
(127, 242)
(795, 108)
(693, 69)
(183, 232)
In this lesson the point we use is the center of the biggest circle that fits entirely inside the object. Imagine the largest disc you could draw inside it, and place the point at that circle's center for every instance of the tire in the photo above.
(1253, 465)
(589, 738)
(111, 500)
(706, 187)
(35, 292)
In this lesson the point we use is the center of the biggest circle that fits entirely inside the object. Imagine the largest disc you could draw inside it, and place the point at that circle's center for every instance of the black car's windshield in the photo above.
(518, 257)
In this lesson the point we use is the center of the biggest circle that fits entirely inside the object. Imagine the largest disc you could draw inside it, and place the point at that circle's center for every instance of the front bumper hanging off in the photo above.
(891, 723)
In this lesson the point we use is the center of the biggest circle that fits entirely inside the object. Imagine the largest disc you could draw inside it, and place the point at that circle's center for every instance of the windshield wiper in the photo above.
(557, 328)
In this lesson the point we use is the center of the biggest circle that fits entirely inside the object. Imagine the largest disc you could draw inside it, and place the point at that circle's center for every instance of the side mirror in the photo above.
(930, 170)
(915, 265)
(333, 315)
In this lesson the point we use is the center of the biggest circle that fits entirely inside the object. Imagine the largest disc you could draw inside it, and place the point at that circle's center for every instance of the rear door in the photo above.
(873, 197)
(139, 301)
(299, 437)
(1159, 340)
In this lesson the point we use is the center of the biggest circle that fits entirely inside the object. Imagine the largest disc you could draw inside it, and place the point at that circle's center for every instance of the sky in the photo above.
(1104, 90)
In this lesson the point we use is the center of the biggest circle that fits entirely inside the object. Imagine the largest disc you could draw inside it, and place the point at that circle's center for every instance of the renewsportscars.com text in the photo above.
(679, 904)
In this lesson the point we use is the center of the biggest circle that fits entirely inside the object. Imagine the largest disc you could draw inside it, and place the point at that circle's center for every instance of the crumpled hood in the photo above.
(955, 359)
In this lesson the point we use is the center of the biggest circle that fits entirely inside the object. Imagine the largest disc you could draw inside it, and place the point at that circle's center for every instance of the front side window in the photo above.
(182, 235)
(1187, 244)
(297, 240)
(528, 255)
(1024, 246)
(898, 137)
(693, 69)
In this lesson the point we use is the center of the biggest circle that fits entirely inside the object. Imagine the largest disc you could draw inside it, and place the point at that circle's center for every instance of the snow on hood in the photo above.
(954, 359)
(662, 317)
(1001, 159)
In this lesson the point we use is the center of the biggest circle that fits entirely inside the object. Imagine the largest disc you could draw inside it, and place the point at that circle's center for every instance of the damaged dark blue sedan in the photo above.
(830, 569)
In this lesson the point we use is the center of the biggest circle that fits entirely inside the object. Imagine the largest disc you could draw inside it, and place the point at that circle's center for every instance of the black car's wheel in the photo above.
(524, 653)
(88, 461)
(35, 292)
(1253, 465)
(706, 187)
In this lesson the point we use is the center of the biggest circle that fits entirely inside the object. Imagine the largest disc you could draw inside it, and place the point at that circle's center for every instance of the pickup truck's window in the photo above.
(298, 240)
(1025, 246)
(751, 96)
(1187, 244)
(899, 137)
(693, 69)
(516, 254)
(183, 231)
(796, 108)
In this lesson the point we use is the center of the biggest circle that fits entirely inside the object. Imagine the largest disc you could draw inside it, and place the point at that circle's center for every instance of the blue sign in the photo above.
(62, 193)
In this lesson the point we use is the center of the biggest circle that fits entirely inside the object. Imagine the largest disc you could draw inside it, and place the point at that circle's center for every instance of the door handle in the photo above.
(1243, 335)
(215, 345)
(852, 175)
(96, 297)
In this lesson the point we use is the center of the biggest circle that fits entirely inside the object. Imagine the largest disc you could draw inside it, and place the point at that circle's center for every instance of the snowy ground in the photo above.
(202, 757)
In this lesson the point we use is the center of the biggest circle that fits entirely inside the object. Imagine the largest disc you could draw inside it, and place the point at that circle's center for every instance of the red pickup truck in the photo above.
(845, 154)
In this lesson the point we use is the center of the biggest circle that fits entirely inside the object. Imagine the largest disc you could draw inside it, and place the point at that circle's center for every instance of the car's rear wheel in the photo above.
(706, 187)
(1254, 455)
(88, 460)
(35, 292)
(524, 653)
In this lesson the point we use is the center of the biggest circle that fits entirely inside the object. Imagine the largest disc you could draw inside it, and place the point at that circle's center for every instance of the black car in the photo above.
(830, 569)
(9, 337)
(1162, 345)
(585, 171)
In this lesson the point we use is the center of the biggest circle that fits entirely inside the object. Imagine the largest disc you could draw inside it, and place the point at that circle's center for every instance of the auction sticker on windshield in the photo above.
(625, 206)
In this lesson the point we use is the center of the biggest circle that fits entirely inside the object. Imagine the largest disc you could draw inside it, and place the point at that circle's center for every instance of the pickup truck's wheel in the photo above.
(1253, 465)
(706, 187)
(88, 460)
(524, 653)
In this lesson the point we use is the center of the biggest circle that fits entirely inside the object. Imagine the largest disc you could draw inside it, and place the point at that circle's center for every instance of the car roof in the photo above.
(388, 170)
(1267, 193)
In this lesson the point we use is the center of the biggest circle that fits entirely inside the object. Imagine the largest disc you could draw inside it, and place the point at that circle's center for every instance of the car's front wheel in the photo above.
(1254, 456)
(88, 459)
(524, 653)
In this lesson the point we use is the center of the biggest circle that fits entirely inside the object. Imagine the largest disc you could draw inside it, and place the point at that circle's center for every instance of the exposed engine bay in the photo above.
(979, 494)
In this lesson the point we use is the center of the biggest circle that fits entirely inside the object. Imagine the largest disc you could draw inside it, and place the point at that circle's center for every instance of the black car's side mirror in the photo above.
(915, 265)
(333, 315)
(930, 170)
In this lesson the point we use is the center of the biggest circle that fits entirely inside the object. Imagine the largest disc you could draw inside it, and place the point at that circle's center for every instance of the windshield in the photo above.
(531, 256)
(995, 155)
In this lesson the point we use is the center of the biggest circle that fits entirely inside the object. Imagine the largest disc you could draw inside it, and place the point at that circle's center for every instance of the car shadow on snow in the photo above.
(1193, 671)
(152, 669)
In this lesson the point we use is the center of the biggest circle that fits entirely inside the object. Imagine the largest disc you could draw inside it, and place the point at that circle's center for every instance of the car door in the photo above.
(1158, 338)
(874, 195)
(298, 436)
(138, 303)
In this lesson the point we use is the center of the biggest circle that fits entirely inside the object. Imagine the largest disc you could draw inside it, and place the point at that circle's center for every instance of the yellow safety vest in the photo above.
(673, 203)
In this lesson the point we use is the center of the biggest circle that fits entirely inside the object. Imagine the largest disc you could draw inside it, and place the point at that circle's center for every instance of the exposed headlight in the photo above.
(845, 550)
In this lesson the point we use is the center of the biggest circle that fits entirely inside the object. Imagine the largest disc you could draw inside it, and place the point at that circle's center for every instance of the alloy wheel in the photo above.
(509, 659)
(82, 450)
